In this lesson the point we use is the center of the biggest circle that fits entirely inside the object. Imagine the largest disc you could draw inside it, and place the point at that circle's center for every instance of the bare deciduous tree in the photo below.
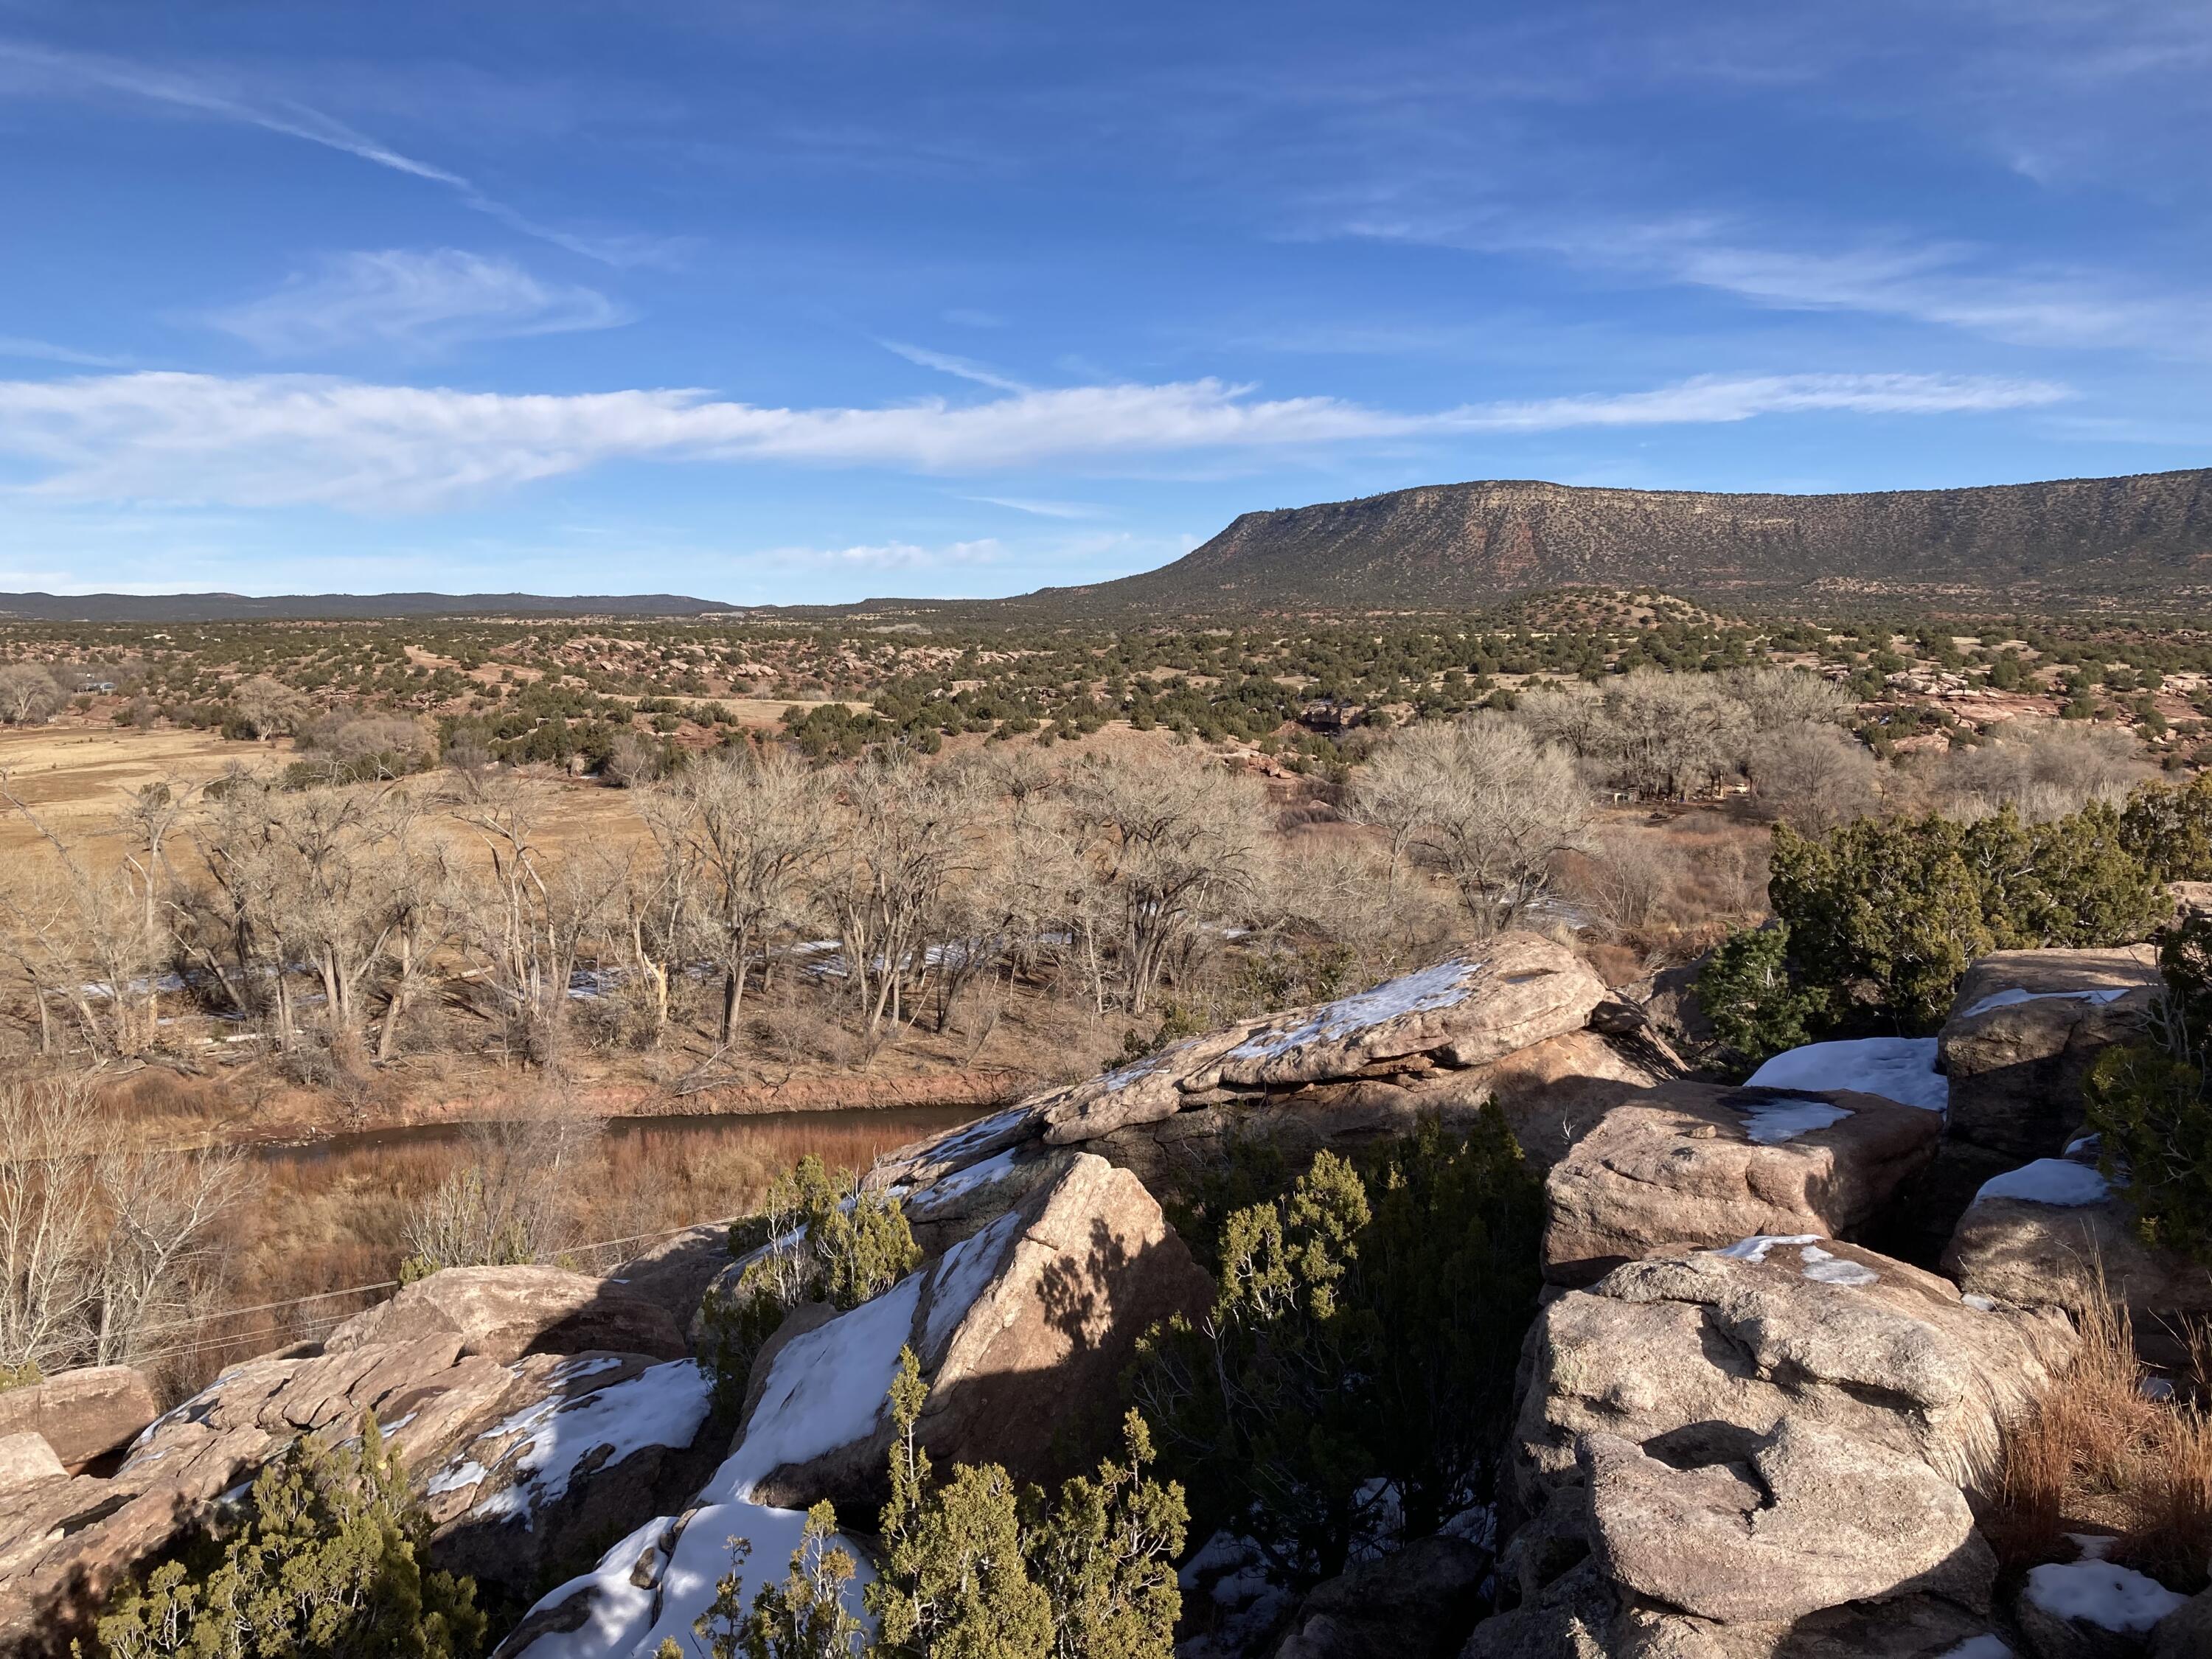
(1175, 841)
(1781, 699)
(102, 1250)
(28, 693)
(2045, 769)
(1815, 777)
(1672, 735)
(270, 707)
(755, 826)
(1499, 808)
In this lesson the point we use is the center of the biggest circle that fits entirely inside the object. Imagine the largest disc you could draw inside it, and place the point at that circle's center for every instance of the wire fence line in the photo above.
(324, 1322)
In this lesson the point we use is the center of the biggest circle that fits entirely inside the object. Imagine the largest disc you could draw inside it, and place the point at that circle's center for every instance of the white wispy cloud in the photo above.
(29, 67)
(44, 351)
(961, 368)
(1946, 283)
(1711, 399)
(415, 302)
(1030, 505)
(273, 440)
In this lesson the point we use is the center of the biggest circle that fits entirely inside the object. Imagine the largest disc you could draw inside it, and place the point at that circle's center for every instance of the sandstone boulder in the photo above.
(83, 1414)
(1714, 1348)
(1687, 1166)
(589, 1445)
(1516, 990)
(2024, 1031)
(1760, 1453)
(1809, 1520)
(1017, 1328)
(26, 1460)
(63, 1543)
(1556, 1091)
(2186, 1633)
(1418, 1604)
(503, 1313)
(2054, 1234)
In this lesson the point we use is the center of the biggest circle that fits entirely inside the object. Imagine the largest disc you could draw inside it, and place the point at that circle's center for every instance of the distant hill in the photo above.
(2147, 537)
(337, 607)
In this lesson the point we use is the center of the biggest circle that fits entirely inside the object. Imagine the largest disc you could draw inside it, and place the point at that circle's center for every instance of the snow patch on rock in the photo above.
(1897, 1068)
(661, 1405)
(2098, 1593)
(1772, 1122)
(2053, 1180)
(1755, 1248)
(2016, 995)
(962, 1275)
(1825, 1268)
(1417, 993)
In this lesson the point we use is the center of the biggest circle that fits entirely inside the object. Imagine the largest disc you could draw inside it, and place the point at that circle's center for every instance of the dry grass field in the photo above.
(75, 777)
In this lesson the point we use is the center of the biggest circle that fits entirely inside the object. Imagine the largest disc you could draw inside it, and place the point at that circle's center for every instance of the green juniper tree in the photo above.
(818, 1236)
(326, 1566)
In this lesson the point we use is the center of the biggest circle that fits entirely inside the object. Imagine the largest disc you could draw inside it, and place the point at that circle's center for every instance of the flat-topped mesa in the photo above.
(1519, 1019)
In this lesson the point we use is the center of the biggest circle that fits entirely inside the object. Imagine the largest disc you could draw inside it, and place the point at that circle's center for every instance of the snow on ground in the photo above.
(1897, 1068)
(1754, 1248)
(1439, 987)
(959, 1277)
(2098, 1593)
(2049, 1181)
(1772, 1122)
(1825, 1268)
(978, 1133)
(661, 1405)
(2015, 996)
(467, 1472)
(824, 1391)
(1232, 1573)
(1980, 1647)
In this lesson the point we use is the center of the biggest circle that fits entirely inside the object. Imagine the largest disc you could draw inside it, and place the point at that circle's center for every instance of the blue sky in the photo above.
(776, 302)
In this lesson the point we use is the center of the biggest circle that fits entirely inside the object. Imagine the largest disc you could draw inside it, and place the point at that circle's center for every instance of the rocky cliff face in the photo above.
(2148, 535)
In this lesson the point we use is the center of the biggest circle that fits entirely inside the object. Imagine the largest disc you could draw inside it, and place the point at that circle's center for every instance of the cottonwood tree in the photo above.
(101, 1247)
(1781, 699)
(89, 935)
(270, 708)
(755, 825)
(1672, 735)
(1815, 777)
(1175, 840)
(1489, 807)
(28, 693)
(528, 924)
(901, 833)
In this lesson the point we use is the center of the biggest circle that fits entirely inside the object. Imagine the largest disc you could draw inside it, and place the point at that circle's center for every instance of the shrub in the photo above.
(973, 1565)
(2149, 1102)
(2169, 829)
(818, 1236)
(1746, 993)
(802, 1618)
(326, 1566)
(1885, 914)
(1364, 1339)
